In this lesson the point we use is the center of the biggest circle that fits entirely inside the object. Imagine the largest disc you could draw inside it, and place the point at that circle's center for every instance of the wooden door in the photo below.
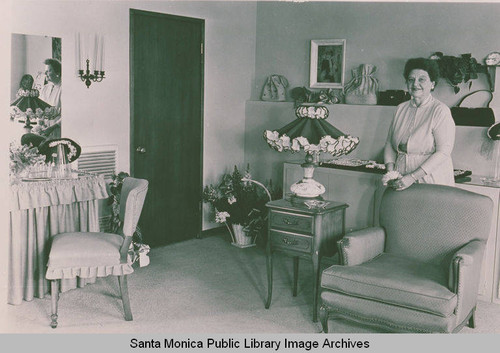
(166, 76)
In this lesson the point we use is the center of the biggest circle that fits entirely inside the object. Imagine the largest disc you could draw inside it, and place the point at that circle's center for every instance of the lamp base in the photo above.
(300, 201)
(307, 188)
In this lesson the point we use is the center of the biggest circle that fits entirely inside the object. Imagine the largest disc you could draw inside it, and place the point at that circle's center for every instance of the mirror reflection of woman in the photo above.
(51, 93)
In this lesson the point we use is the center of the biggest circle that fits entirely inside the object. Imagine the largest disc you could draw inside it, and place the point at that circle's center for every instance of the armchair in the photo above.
(418, 271)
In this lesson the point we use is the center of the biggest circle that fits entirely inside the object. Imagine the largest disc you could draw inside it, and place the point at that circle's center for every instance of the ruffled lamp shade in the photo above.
(313, 134)
(24, 103)
(27, 105)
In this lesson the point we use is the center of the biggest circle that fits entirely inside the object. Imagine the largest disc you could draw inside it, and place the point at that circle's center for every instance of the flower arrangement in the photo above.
(138, 250)
(22, 157)
(392, 175)
(236, 200)
(43, 117)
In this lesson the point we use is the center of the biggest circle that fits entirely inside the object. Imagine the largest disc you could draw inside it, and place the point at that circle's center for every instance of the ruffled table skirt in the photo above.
(39, 211)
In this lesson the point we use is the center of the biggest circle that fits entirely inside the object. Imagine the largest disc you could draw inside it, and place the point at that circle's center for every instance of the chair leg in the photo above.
(472, 319)
(122, 280)
(323, 317)
(54, 288)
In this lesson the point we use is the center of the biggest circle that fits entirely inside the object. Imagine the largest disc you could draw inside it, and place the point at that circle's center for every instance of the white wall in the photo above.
(101, 114)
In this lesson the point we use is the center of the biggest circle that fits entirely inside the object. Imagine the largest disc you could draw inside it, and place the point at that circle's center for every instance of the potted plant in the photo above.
(239, 203)
(138, 250)
(458, 69)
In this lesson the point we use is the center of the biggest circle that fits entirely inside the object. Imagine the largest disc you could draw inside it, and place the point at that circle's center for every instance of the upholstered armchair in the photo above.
(95, 254)
(418, 271)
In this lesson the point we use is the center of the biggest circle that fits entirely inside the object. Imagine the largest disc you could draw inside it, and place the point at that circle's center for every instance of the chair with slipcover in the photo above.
(97, 254)
(418, 271)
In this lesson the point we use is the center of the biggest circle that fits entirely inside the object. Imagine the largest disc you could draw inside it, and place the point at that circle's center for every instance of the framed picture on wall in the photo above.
(327, 63)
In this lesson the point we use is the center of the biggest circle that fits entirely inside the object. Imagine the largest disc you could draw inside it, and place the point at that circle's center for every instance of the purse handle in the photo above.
(480, 90)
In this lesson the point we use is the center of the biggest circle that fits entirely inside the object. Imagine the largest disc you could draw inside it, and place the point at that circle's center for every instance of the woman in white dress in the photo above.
(422, 133)
(51, 94)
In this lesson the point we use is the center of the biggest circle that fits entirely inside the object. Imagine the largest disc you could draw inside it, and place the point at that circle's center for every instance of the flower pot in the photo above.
(241, 237)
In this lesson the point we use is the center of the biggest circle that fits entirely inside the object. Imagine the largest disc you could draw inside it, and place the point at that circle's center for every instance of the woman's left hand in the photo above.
(403, 183)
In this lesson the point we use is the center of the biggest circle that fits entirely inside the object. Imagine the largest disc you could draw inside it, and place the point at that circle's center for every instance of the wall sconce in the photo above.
(97, 74)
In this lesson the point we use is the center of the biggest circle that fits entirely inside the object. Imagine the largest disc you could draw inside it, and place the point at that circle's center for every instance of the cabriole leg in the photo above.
(323, 316)
(122, 280)
(54, 288)
(472, 319)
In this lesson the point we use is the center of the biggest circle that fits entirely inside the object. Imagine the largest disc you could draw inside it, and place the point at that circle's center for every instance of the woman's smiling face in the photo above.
(419, 84)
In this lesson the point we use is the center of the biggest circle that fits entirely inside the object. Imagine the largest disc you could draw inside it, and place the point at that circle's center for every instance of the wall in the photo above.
(382, 34)
(101, 115)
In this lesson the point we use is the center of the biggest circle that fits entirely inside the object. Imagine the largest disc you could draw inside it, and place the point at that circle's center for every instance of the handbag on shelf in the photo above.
(275, 89)
(482, 116)
(363, 88)
(393, 97)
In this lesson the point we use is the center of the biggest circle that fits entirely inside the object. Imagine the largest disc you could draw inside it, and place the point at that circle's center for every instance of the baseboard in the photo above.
(212, 231)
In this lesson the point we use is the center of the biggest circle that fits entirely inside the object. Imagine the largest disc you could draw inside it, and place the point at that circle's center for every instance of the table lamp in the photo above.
(26, 105)
(313, 134)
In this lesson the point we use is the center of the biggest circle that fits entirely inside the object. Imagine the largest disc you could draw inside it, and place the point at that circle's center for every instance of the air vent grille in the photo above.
(99, 160)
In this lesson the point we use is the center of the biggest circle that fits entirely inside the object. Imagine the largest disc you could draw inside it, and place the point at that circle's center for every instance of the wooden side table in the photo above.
(298, 231)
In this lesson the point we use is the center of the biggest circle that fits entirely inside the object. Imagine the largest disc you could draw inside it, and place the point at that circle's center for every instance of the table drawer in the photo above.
(291, 241)
(290, 221)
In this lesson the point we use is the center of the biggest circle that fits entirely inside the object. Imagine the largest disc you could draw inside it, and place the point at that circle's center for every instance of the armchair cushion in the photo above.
(395, 280)
(86, 255)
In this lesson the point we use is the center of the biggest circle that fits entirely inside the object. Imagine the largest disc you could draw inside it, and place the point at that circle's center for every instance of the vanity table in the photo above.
(39, 210)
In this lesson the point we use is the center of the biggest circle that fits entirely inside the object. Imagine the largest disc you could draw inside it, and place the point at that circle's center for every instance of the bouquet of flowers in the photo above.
(237, 201)
(23, 157)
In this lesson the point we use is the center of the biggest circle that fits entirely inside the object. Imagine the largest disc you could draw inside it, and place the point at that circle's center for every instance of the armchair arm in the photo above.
(361, 245)
(465, 270)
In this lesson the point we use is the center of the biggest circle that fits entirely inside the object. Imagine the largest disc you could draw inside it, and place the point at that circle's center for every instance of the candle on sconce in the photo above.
(78, 54)
(96, 47)
(102, 53)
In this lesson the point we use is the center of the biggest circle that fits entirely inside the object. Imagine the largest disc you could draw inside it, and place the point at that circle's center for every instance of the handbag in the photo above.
(392, 97)
(482, 116)
(363, 88)
(275, 89)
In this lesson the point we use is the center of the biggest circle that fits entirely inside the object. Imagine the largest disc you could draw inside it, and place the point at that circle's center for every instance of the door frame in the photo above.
(201, 22)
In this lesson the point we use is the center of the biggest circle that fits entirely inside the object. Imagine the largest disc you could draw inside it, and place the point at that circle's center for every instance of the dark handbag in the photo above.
(393, 97)
(483, 116)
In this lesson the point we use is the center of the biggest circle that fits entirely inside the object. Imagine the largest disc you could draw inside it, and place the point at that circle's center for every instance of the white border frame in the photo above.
(313, 74)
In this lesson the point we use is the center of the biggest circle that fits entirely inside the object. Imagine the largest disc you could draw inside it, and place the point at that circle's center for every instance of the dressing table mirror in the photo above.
(35, 93)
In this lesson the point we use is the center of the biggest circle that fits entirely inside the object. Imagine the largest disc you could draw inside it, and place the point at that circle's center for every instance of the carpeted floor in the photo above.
(197, 286)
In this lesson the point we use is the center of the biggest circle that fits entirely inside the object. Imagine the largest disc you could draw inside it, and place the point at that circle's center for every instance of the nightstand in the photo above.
(298, 231)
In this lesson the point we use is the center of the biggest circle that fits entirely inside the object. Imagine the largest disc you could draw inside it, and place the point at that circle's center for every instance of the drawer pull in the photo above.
(290, 242)
(290, 223)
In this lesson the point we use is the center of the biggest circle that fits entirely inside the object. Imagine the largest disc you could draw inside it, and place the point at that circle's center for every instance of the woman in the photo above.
(51, 93)
(422, 133)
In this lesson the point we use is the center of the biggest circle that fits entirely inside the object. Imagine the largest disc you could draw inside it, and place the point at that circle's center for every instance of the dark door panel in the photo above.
(167, 122)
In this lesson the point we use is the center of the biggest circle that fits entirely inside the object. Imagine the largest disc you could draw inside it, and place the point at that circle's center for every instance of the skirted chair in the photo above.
(95, 254)
(418, 271)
